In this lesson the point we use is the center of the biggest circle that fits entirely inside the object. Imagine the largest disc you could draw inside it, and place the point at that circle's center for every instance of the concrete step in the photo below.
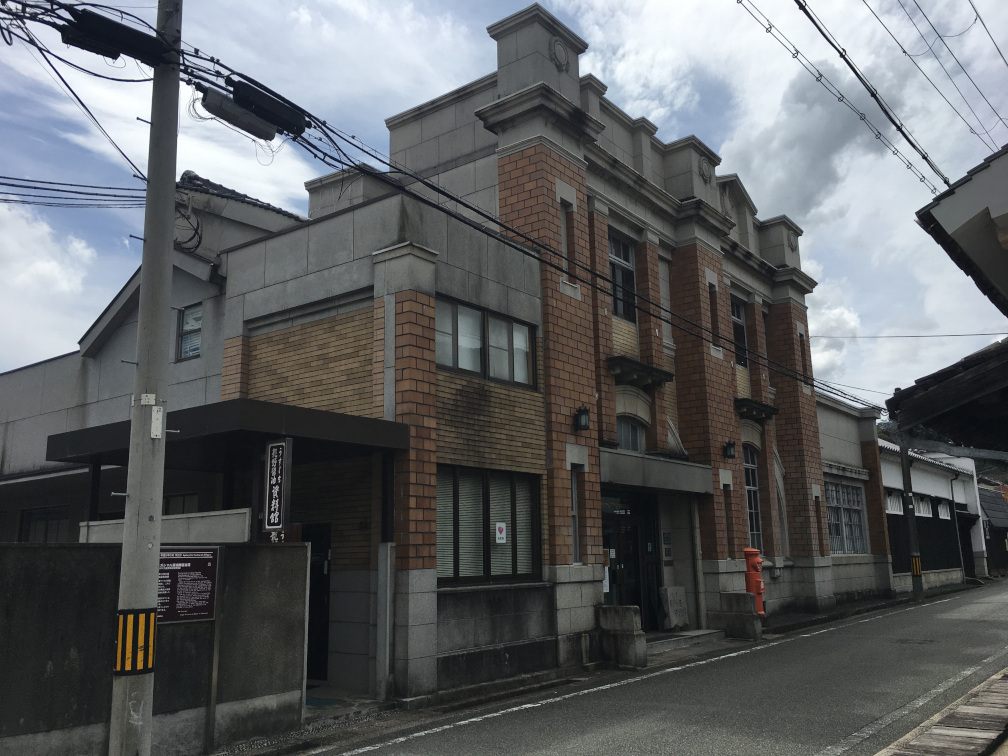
(660, 643)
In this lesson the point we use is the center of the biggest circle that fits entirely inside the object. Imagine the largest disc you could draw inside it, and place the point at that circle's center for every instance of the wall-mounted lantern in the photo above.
(582, 419)
(728, 450)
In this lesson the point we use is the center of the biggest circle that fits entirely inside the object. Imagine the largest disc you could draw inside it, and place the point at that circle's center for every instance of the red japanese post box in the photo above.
(754, 577)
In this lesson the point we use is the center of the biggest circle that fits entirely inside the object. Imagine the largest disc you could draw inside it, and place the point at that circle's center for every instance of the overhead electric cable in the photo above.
(508, 235)
(913, 335)
(948, 74)
(87, 111)
(984, 24)
(879, 100)
(980, 135)
(822, 79)
(961, 66)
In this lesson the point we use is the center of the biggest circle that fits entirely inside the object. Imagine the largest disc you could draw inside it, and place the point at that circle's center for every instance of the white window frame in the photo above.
(622, 270)
(189, 344)
(922, 506)
(750, 467)
(894, 502)
(845, 517)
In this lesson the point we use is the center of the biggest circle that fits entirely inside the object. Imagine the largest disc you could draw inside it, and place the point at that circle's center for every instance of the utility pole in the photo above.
(911, 515)
(133, 681)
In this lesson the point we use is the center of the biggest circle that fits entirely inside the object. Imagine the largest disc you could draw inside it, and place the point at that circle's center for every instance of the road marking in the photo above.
(882, 722)
(319, 751)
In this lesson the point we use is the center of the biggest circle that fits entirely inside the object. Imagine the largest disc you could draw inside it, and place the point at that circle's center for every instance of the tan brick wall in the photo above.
(797, 433)
(624, 338)
(485, 424)
(706, 390)
(235, 367)
(527, 193)
(602, 329)
(326, 364)
(339, 493)
(416, 469)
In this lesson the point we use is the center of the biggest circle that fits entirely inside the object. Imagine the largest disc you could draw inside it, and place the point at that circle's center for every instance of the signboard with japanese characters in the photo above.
(187, 584)
(277, 484)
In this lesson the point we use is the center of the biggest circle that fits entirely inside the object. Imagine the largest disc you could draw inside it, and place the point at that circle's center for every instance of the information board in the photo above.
(187, 584)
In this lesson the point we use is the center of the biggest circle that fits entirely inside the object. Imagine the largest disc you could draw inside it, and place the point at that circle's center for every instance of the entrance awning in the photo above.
(658, 473)
(230, 434)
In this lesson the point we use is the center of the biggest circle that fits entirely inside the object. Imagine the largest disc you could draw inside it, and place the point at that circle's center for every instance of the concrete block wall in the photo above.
(416, 632)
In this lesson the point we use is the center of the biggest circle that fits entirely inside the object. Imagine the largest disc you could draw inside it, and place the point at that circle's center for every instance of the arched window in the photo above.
(629, 433)
(749, 458)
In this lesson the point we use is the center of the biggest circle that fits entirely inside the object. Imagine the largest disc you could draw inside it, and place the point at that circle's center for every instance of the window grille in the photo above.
(845, 518)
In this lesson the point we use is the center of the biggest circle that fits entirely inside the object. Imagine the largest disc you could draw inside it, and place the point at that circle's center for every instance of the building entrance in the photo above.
(629, 536)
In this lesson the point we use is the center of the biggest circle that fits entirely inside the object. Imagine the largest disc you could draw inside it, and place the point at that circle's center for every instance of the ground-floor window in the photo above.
(845, 515)
(47, 525)
(487, 524)
(749, 462)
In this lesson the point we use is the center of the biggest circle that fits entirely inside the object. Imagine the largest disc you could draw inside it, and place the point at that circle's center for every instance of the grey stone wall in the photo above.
(57, 609)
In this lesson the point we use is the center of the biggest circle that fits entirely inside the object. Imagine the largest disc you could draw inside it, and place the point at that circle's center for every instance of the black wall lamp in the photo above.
(582, 419)
(728, 450)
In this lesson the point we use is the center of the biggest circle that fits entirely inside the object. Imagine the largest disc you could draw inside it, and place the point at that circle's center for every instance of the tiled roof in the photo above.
(192, 180)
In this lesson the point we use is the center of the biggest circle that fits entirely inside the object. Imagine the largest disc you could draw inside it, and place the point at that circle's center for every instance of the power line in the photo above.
(989, 145)
(508, 235)
(822, 79)
(984, 24)
(879, 100)
(913, 335)
(975, 85)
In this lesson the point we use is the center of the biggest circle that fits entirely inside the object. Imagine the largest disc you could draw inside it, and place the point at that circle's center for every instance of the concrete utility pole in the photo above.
(911, 515)
(133, 682)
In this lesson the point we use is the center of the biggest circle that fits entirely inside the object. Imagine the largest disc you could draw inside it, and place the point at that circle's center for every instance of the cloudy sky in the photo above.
(702, 67)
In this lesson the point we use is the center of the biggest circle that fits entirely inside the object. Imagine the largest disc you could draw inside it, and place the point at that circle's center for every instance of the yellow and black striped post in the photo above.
(135, 641)
(915, 568)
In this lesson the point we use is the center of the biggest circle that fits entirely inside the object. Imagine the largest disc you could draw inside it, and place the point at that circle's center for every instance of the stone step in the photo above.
(673, 641)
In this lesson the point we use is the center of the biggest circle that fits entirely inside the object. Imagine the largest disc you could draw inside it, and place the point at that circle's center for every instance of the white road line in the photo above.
(659, 673)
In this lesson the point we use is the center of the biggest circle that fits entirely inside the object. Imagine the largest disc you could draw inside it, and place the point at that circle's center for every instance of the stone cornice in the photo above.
(539, 99)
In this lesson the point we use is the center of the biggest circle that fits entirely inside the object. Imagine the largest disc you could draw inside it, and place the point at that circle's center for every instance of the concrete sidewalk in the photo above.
(975, 725)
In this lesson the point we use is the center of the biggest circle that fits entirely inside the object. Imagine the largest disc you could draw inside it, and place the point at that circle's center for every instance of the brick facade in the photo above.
(485, 424)
(527, 197)
(325, 364)
(234, 369)
(415, 400)
(706, 391)
(797, 431)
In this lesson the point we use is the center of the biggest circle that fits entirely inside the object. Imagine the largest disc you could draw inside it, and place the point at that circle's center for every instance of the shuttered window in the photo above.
(486, 525)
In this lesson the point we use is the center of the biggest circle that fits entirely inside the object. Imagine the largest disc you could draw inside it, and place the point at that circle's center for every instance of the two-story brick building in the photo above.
(490, 439)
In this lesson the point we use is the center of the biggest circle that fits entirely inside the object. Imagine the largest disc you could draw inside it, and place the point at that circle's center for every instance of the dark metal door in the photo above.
(320, 538)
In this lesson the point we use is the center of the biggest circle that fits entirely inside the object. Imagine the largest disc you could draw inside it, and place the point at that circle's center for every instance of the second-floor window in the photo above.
(629, 433)
(482, 342)
(739, 331)
(621, 270)
(190, 331)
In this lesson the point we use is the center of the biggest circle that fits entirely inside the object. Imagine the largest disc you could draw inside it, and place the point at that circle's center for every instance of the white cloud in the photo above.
(42, 279)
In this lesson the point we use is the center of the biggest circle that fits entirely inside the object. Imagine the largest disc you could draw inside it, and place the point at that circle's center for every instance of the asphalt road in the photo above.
(852, 687)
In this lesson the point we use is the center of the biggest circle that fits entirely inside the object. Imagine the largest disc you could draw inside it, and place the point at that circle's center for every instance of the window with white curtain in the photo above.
(486, 524)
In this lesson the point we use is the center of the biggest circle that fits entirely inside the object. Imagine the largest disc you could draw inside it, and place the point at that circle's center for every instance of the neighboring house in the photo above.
(855, 499)
(994, 510)
(486, 447)
(947, 508)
